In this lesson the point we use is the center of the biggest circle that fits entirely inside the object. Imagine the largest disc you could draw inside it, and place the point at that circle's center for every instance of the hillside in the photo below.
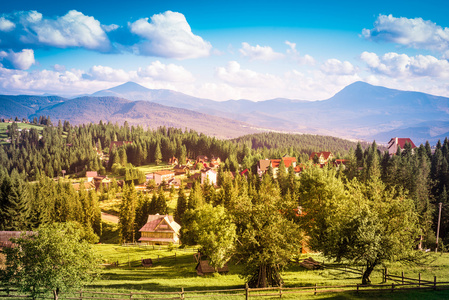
(146, 114)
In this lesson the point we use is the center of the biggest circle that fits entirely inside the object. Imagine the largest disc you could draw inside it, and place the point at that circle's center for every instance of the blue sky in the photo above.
(254, 50)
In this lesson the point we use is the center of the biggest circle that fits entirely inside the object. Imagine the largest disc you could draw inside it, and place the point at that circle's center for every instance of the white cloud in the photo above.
(161, 72)
(337, 67)
(22, 60)
(29, 29)
(104, 73)
(72, 30)
(295, 55)
(108, 28)
(233, 74)
(258, 52)
(401, 65)
(416, 33)
(6, 25)
(169, 35)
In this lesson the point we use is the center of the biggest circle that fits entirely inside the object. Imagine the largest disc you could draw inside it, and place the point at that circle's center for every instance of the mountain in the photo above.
(144, 113)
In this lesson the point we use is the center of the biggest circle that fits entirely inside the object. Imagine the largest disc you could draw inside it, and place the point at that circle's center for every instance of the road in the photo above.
(109, 218)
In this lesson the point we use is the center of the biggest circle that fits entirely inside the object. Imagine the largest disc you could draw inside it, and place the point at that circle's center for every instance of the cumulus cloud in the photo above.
(416, 33)
(22, 60)
(337, 67)
(6, 25)
(295, 55)
(258, 52)
(402, 65)
(31, 30)
(162, 72)
(104, 73)
(168, 35)
(234, 75)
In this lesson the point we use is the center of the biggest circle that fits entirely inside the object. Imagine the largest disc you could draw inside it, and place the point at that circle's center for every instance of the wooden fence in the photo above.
(405, 284)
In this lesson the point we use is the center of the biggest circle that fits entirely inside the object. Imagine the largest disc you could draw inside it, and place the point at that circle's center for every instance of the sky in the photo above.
(221, 50)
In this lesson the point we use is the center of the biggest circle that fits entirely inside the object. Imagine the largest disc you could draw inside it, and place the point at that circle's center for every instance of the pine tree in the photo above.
(128, 213)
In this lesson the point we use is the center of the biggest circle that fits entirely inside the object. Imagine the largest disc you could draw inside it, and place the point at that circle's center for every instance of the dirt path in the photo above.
(109, 218)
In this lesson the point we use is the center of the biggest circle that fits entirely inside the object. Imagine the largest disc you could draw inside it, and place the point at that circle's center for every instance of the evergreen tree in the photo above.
(128, 213)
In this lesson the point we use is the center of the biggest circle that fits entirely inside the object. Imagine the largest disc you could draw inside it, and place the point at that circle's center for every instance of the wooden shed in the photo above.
(203, 267)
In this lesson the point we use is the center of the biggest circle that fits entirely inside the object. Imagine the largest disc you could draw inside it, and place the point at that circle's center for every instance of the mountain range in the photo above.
(359, 111)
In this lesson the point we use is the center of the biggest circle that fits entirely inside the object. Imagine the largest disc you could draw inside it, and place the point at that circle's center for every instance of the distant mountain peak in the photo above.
(129, 86)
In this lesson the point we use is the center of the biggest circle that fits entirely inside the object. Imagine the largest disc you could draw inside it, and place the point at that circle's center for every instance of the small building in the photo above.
(323, 157)
(203, 267)
(90, 175)
(209, 175)
(163, 176)
(160, 230)
(215, 162)
(102, 181)
(181, 169)
(396, 142)
(201, 158)
(173, 161)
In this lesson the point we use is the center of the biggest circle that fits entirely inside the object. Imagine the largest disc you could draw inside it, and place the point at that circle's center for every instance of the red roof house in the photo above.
(395, 142)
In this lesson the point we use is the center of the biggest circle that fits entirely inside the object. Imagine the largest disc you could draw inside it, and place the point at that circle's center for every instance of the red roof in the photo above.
(287, 162)
(403, 141)
(318, 154)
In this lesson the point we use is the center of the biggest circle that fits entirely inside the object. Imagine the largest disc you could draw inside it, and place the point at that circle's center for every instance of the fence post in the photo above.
(419, 279)
(182, 293)
(81, 294)
(357, 288)
(435, 282)
(386, 274)
(315, 289)
(130, 295)
(392, 287)
(246, 291)
(280, 290)
(402, 277)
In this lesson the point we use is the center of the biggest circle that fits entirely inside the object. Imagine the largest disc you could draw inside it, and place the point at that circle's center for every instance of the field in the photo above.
(4, 126)
(174, 269)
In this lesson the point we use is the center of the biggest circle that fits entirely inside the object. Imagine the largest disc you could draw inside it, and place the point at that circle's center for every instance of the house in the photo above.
(163, 176)
(209, 175)
(90, 175)
(181, 169)
(173, 161)
(395, 142)
(201, 158)
(323, 157)
(103, 181)
(203, 267)
(215, 162)
(118, 144)
(264, 164)
(176, 182)
(160, 230)
(341, 163)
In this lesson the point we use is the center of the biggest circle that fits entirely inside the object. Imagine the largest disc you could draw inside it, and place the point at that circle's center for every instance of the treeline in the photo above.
(25, 206)
(72, 148)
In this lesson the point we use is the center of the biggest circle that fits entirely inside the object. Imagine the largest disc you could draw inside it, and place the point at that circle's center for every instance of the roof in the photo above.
(264, 164)
(161, 223)
(208, 170)
(401, 142)
(164, 172)
(324, 153)
(203, 267)
(91, 174)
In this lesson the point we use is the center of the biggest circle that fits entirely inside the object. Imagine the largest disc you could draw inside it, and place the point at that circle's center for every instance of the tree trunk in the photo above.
(262, 276)
(366, 275)
(55, 294)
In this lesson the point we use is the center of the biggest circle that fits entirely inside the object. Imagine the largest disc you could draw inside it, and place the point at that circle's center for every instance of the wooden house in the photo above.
(160, 230)
(323, 157)
(396, 142)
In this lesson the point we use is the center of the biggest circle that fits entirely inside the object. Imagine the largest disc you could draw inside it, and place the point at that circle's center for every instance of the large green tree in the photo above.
(361, 222)
(54, 259)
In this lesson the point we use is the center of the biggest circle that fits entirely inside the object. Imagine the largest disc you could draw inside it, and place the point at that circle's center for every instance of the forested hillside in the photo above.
(405, 187)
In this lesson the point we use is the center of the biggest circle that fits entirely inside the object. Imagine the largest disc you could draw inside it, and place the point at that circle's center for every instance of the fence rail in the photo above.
(240, 293)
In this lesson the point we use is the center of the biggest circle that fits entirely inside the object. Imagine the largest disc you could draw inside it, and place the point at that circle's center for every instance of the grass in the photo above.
(4, 127)
(154, 168)
(170, 275)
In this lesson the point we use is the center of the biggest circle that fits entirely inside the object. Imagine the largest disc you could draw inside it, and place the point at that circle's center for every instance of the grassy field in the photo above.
(169, 274)
(4, 127)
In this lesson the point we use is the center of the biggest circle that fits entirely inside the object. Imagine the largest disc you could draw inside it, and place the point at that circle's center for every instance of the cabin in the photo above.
(396, 142)
(160, 230)
(173, 161)
(264, 164)
(90, 175)
(203, 267)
